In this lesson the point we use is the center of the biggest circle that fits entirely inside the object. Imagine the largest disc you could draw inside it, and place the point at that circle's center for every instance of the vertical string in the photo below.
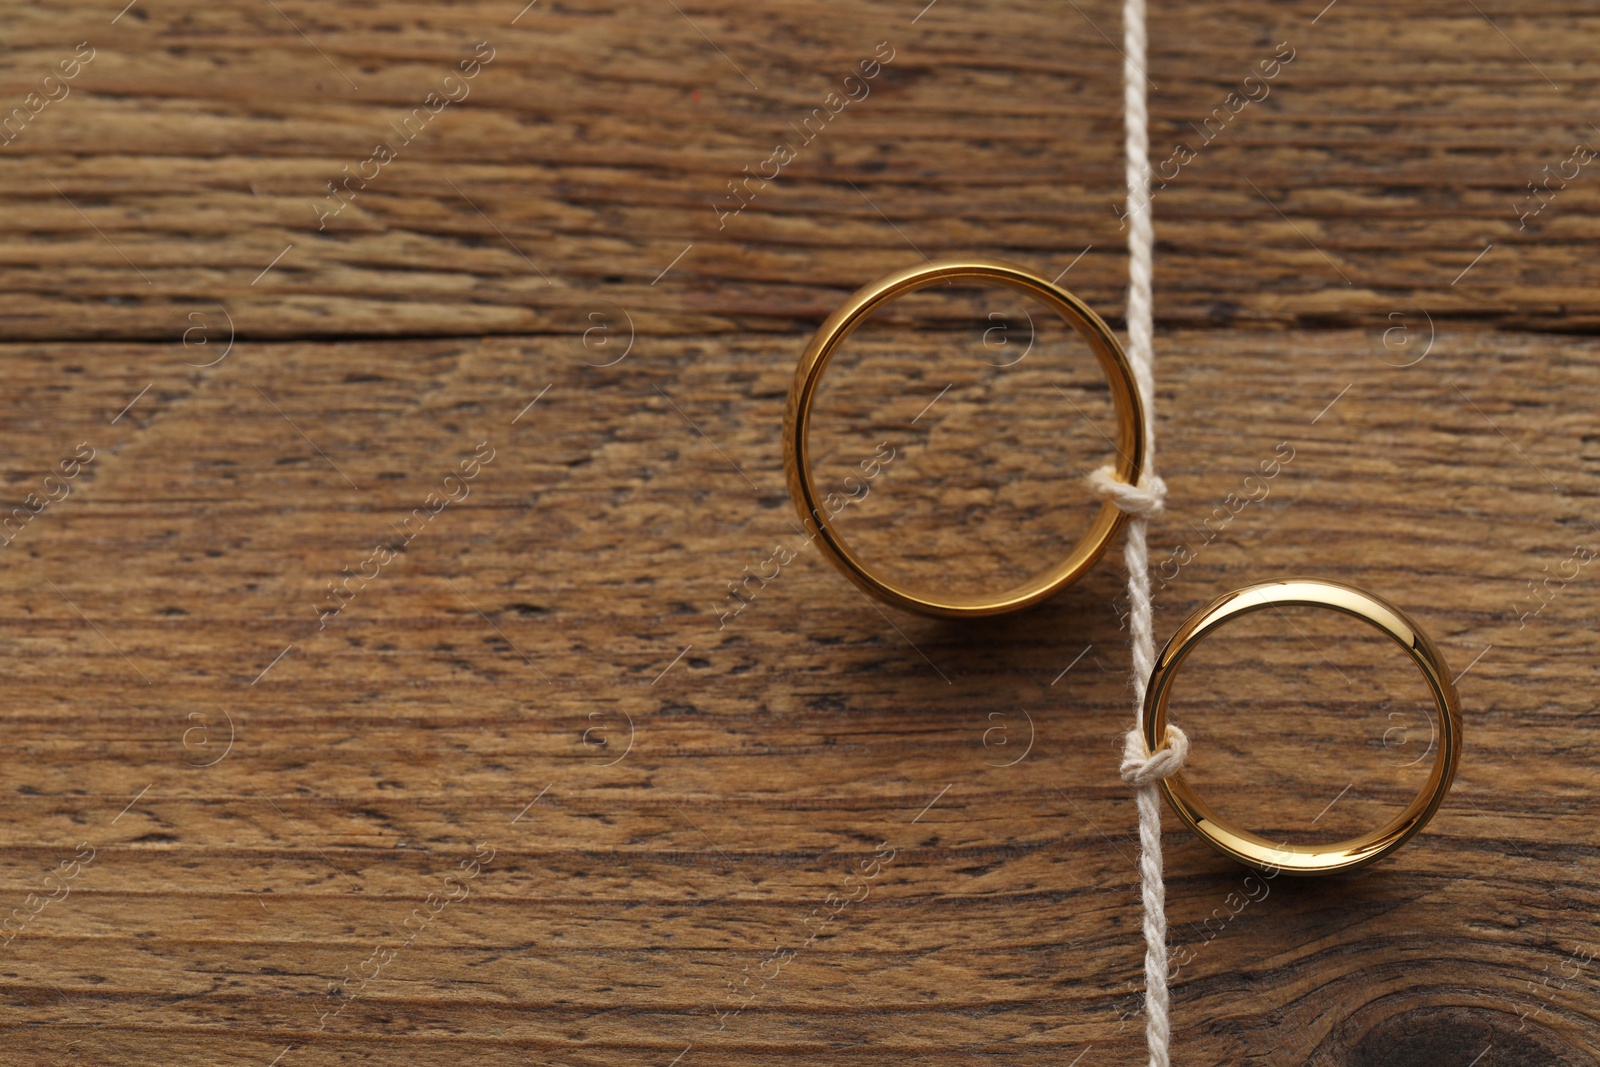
(1139, 766)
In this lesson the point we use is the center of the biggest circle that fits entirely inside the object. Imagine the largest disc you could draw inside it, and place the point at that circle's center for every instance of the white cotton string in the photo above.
(1144, 500)
(1141, 768)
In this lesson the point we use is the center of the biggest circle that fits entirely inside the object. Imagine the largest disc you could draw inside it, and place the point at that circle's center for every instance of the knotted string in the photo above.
(1142, 768)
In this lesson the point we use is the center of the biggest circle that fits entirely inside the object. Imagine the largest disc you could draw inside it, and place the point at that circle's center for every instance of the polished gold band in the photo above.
(839, 325)
(1256, 851)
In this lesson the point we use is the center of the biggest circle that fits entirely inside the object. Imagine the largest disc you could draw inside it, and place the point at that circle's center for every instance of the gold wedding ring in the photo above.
(1257, 851)
(814, 507)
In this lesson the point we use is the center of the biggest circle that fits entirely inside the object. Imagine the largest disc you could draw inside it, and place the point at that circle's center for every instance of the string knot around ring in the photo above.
(1144, 500)
(1141, 767)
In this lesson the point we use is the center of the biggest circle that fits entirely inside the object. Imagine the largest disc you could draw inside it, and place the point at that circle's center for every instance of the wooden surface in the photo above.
(536, 794)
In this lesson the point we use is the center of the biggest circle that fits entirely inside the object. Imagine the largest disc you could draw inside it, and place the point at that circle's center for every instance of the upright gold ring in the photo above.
(812, 505)
(1257, 851)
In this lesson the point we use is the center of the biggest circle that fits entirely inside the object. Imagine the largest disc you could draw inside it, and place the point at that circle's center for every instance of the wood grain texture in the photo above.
(541, 791)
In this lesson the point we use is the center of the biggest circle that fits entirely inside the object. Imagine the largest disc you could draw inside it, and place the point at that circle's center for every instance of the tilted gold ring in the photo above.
(1257, 851)
(797, 423)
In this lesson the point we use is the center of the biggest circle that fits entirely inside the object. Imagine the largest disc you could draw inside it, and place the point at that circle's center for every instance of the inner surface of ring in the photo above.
(953, 430)
(1309, 727)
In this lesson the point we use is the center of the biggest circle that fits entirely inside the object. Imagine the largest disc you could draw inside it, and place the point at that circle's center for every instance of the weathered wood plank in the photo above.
(775, 755)
(1390, 151)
